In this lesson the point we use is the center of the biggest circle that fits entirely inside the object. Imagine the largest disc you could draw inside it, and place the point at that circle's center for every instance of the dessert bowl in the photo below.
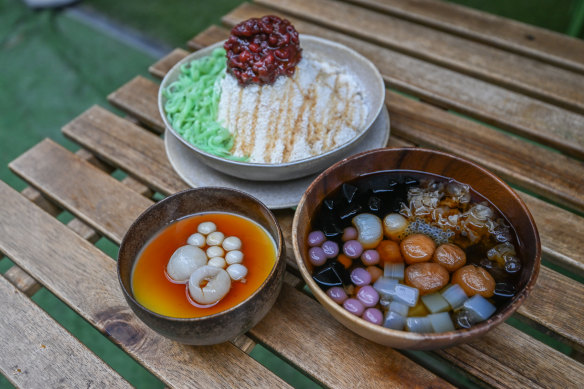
(367, 76)
(500, 195)
(221, 326)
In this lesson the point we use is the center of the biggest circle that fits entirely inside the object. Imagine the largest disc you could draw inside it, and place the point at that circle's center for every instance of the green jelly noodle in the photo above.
(192, 103)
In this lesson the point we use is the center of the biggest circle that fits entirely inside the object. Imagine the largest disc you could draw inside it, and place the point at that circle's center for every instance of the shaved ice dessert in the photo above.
(263, 99)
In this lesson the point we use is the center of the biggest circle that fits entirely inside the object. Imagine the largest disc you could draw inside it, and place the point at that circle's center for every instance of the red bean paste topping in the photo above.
(261, 49)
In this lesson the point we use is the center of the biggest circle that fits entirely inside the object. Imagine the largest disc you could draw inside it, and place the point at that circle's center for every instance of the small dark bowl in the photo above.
(421, 160)
(222, 326)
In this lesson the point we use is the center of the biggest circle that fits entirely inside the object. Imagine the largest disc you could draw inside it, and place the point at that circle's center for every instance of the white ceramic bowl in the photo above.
(368, 77)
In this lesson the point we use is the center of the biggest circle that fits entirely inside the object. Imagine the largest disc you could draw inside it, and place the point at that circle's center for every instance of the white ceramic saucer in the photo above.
(274, 194)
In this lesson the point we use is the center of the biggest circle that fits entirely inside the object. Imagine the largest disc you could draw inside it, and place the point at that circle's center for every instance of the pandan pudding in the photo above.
(263, 99)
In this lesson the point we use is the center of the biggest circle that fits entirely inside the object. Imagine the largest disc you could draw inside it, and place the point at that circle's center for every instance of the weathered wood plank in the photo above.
(166, 62)
(510, 70)
(540, 366)
(525, 39)
(545, 123)
(555, 304)
(557, 177)
(561, 233)
(22, 280)
(118, 97)
(93, 194)
(91, 127)
(139, 97)
(211, 34)
(67, 264)
(38, 352)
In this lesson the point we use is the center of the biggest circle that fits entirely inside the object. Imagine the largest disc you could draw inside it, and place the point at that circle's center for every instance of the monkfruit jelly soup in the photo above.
(154, 290)
(445, 210)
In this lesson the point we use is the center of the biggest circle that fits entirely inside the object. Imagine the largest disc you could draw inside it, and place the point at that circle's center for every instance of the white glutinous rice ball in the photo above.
(215, 251)
(232, 243)
(215, 238)
(184, 261)
(209, 284)
(206, 228)
(217, 262)
(237, 271)
(196, 239)
(234, 256)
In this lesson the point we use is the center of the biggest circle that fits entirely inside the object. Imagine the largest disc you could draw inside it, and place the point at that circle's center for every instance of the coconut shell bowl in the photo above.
(223, 325)
(412, 161)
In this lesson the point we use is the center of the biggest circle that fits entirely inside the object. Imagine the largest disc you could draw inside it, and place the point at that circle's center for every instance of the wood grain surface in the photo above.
(524, 115)
(35, 348)
(67, 264)
(525, 39)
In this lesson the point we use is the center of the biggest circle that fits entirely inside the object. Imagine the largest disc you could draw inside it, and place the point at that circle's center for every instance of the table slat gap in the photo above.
(22, 280)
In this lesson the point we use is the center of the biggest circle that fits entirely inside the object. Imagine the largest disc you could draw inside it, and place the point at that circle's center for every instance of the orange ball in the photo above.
(375, 272)
(474, 280)
(417, 248)
(450, 256)
(428, 277)
(389, 251)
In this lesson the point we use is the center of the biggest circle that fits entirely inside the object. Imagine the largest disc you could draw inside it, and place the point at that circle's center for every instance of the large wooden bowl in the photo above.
(486, 183)
(222, 326)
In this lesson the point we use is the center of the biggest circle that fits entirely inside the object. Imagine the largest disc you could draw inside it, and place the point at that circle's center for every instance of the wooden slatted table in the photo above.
(503, 94)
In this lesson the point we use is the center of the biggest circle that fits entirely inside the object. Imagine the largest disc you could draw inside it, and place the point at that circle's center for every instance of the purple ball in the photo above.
(373, 315)
(349, 233)
(354, 306)
(368, 296)
(337, 293)
(370, 257)
(330, 248)
(352, 249)
(316, 256)
(315, 238)
(360, 277)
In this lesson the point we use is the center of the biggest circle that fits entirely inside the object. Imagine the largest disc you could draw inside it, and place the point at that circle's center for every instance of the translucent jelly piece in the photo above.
(505, 289)
(385, 286)
(381, 184)
(397, 307)
(350, 211)
(332, 274)
(411, 181)
(454, 295)
(463, 319)
(329, 204)
(419, 324)
(374, 204)
(349, 192)
(390, 289)
(394, 321)
(394, 270)
(332, 230)
(435, 302)
(479, 308)
(441, 322)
